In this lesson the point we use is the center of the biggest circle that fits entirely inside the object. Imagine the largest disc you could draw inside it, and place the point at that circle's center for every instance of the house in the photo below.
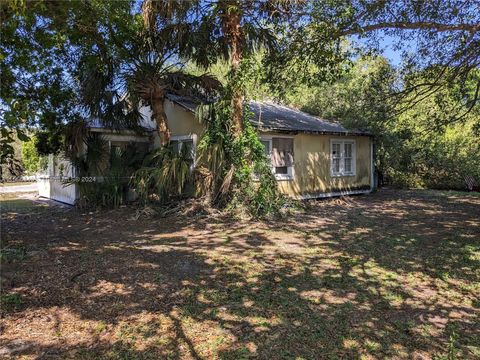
(310, 157)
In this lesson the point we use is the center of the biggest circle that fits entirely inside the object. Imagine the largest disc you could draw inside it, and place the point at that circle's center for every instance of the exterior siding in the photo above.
(312, 167)
(51, 185)
(181, 121)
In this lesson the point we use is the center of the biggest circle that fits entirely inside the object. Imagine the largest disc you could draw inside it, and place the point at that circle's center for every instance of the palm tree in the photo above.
(206, 31)
(132, 69)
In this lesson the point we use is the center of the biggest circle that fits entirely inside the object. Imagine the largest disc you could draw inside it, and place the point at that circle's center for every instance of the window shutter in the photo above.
(282, 152)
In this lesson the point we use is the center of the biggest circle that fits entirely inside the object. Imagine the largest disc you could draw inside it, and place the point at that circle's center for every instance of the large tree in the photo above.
(206, 31)
(441, 37)
(137, 70)
(42, 45)
(66, 61)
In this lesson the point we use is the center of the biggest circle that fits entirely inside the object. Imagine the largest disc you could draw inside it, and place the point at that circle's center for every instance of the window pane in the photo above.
(348, 165)
(281, 170)
(348, 150)
(282, 152)
(115, 153)
(336, 166)
(266, 145)
(187, 147)
(175, 146)
(336, 150)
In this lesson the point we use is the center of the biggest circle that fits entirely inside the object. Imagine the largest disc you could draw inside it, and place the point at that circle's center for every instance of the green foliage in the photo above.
(30, 157)
(10, 153)
(34, 63)
(242, 177)
(429, 156)
(49, 142)
(251, 76)
(433, 143)
(164, 174)
(103, 177)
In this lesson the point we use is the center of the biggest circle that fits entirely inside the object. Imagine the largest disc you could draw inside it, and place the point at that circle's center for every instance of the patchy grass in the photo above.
(10, 302)
(16, 183)
(391, 275)
(20, 203)
(9, 202)
(9, 254)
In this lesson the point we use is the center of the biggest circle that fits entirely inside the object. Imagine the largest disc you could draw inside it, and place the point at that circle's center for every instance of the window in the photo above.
(280, 152)
(184, 144)
(343, 157)
(267, 146)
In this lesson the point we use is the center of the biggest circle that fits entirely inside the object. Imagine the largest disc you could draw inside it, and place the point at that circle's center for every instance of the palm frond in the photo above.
(96, 157)
(164, 173)
(75, 133)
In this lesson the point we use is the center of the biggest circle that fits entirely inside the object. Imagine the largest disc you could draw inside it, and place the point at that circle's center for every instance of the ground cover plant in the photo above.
(391, 275)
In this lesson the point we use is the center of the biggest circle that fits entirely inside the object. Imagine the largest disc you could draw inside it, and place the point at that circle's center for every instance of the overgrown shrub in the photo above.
(231, 172)
(238, 166)
(164, 174)
(103, 177)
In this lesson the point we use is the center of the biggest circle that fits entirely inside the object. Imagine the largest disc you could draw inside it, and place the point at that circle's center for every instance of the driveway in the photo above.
(28, 187)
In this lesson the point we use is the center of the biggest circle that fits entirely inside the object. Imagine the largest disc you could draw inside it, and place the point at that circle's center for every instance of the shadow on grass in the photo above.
(365, 282)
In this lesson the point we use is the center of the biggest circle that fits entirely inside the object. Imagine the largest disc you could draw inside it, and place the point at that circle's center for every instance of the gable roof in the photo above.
(268, 116)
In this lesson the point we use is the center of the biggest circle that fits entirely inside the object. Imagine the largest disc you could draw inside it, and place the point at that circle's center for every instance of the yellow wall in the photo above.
(312, 166)
(181, 121)
(311, 157)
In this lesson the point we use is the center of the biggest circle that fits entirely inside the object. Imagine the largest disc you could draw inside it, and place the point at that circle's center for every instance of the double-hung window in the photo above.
(280, 152)
(342, 155)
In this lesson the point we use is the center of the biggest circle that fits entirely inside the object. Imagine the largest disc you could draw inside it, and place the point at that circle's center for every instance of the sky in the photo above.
(389, 52)
(386, 45)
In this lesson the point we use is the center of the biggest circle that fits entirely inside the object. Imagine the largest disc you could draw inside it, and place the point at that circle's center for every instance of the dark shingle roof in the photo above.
(185, 102)
(268, 116)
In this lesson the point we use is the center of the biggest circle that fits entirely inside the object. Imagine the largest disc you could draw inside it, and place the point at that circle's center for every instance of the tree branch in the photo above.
(421, 25)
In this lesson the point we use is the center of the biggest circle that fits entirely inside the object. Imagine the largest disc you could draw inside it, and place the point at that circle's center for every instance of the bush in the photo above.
(32, 161)
(164, 174)
(112, 172)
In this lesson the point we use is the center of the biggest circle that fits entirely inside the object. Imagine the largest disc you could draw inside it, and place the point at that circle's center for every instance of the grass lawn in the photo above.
(390, 275)
(14, 203)
(16, 183)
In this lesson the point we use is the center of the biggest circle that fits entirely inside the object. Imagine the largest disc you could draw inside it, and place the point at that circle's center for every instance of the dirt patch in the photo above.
(393, 274)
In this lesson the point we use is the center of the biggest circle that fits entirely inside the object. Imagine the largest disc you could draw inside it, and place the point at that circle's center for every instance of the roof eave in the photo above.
(313, 132)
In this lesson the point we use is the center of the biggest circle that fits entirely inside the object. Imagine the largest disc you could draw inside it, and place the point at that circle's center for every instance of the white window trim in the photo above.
(342, 143)
(291, 169)
(192, 137)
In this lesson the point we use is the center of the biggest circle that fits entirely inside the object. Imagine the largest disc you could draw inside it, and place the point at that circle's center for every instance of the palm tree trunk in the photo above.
(158, 114)
(231, 24)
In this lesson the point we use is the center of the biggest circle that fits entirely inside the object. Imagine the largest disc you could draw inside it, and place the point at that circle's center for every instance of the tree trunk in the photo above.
(237, 96)
(231, 25)
(158, 114)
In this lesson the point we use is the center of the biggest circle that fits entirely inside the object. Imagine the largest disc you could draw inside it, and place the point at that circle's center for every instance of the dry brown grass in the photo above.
(394, 274)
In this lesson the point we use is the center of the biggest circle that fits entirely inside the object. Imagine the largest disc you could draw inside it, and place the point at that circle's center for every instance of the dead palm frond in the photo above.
(226, 183)
(75, 133)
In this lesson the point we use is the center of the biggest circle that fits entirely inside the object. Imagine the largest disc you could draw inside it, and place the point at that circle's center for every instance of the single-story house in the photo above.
(311, 157)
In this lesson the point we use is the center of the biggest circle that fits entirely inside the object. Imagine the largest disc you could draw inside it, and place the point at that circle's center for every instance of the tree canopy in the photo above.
(64, 62)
